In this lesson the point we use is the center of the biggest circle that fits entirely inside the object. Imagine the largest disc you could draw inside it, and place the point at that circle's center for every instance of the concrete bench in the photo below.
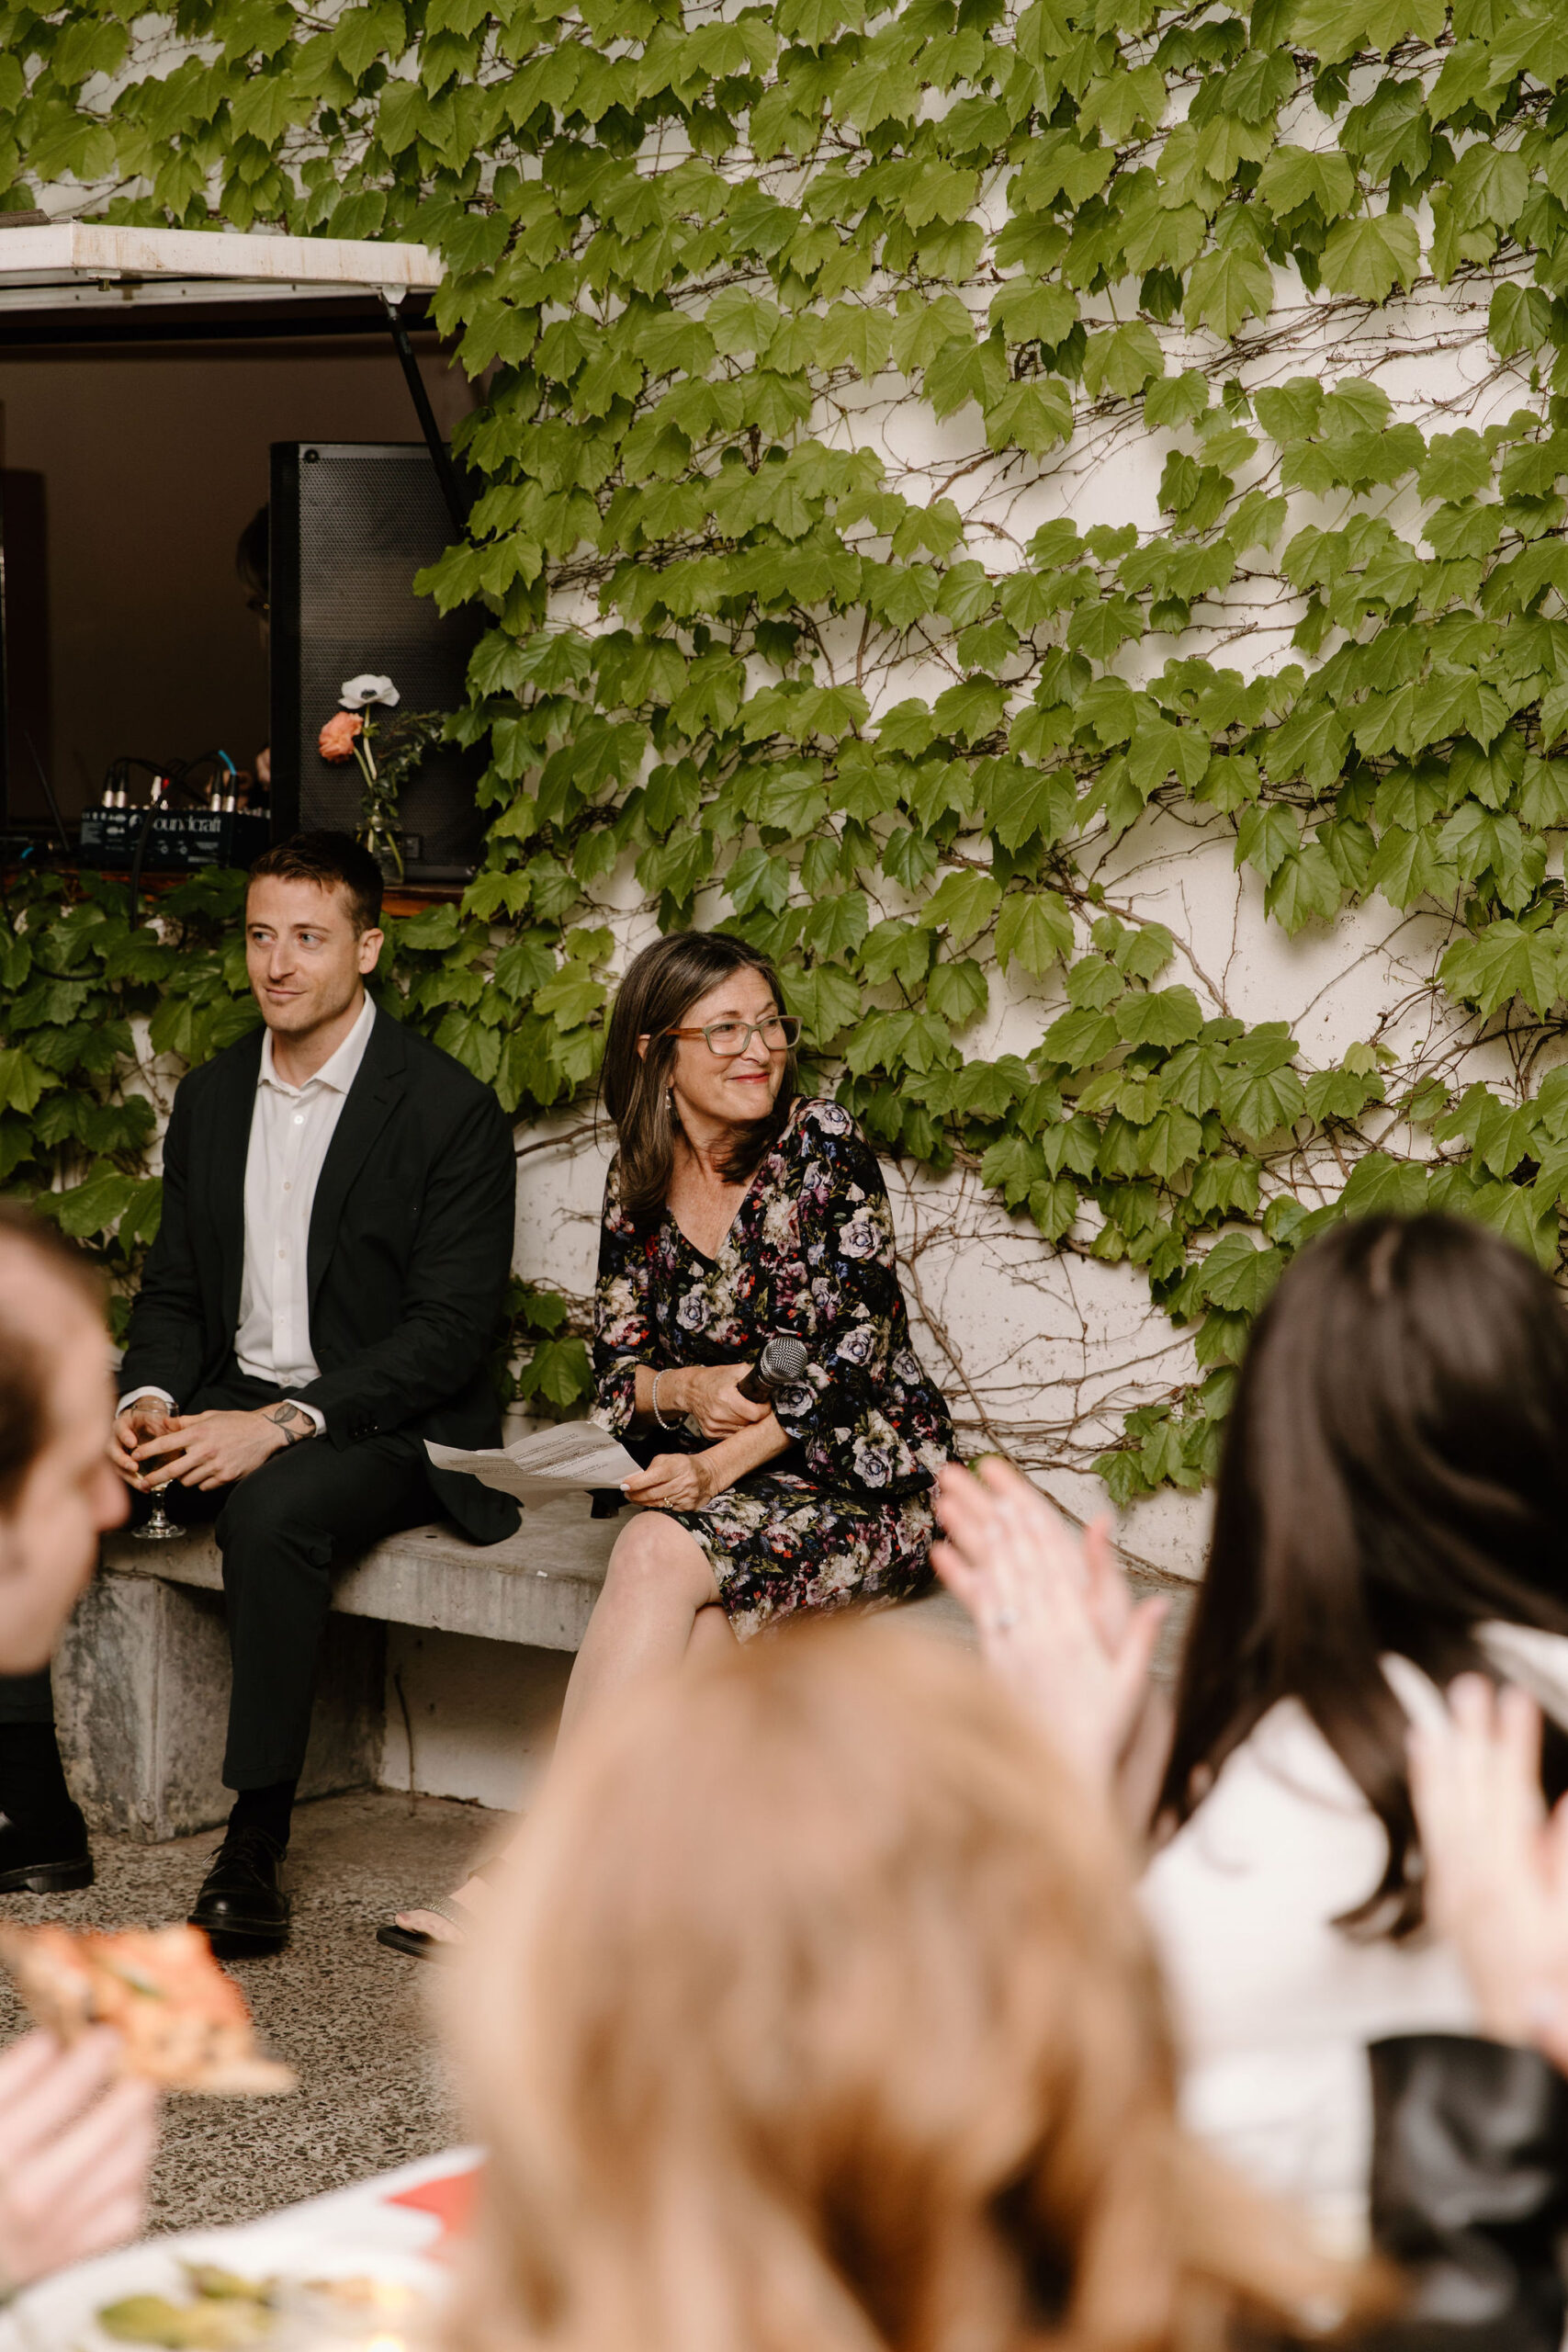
(141, 1681)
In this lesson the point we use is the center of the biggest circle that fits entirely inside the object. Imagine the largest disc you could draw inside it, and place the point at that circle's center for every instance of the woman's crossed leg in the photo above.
(658, 1608)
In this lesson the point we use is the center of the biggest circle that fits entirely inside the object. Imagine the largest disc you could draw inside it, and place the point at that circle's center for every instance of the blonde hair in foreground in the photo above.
(814, 2015)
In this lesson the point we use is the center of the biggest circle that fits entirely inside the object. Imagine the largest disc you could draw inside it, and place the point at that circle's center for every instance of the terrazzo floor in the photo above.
(356, 2021)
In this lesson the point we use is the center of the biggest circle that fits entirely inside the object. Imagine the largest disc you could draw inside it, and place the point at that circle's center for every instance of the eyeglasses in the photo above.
(778, 1032)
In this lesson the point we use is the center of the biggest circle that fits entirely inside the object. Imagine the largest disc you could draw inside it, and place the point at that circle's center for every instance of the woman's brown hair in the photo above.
(815, 2015)
(660, 987)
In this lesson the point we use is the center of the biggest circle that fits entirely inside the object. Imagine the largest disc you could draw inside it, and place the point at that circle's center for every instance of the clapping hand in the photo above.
(1497, 1863)
(1056, 1622)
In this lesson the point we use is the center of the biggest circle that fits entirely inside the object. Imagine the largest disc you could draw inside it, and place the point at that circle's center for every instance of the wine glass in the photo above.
(159, 1528)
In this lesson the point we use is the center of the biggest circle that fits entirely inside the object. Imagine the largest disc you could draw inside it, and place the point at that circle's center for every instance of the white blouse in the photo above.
(1274, 2005)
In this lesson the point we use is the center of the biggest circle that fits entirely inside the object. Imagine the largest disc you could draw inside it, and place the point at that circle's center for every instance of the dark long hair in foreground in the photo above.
(1395, 1474)
(660, 988)
(814, 2014)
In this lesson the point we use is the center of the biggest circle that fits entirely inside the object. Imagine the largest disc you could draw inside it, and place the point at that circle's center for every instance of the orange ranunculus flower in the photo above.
(337, 736)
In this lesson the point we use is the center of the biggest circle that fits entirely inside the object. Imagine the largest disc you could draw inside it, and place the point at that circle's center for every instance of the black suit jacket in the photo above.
(408, 1254)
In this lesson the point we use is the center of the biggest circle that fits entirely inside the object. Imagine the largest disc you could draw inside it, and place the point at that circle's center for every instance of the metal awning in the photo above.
(101, 273)
(83, 265)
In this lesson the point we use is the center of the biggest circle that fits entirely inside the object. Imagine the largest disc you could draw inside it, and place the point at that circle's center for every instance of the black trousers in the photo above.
(26, 1699)
(280, 1532)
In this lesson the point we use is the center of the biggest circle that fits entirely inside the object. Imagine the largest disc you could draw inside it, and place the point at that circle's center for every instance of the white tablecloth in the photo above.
(350, 2233)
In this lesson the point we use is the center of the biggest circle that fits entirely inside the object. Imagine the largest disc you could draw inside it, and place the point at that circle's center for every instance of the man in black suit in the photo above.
(325, 1292)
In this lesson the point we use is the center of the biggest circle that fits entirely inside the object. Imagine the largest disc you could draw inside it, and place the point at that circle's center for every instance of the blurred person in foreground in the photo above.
(737, 1210)
(814, 2011)
(1392, 1513)
(76, 2146)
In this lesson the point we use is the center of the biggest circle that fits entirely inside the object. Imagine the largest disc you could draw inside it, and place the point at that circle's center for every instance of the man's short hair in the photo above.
(334, 861)
(26, 1353)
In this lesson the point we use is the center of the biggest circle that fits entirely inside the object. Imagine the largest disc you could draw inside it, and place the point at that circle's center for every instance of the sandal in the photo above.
(418, 1943)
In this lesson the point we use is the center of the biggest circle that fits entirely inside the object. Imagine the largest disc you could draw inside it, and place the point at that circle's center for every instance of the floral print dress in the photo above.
(846, 1514)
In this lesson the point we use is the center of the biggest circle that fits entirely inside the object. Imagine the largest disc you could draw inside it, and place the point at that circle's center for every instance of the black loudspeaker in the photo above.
(350, 524)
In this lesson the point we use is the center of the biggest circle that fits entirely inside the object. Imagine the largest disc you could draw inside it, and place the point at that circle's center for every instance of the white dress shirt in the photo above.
(291, 1128)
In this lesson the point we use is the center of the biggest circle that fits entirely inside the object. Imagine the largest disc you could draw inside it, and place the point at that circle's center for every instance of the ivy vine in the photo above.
(712, 265)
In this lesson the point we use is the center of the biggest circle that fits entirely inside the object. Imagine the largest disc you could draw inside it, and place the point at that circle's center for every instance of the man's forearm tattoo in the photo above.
(292, 1423)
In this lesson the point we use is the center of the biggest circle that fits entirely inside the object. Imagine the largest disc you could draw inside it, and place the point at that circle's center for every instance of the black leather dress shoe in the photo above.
(49, 1863)
(242, 1897)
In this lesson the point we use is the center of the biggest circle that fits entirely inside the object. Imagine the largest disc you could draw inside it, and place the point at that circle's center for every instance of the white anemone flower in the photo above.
(356, 694)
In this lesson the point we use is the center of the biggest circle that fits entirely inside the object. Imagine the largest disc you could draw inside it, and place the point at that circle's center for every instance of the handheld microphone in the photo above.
(779, 1365)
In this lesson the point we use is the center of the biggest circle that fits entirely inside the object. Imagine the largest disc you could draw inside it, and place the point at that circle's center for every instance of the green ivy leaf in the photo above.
(263, 109)
(957, 992)
(1503, 962)
(1257, 1103)
(94, 1206)
(1519, 319)
(1102, 627)
(1164, 1017)
(835, 925)
(1306, 888)
(1457, 465)
(1122, 361)
(1034, 928)
(90, 45)
(1226, 287)
(361, 35)
(1265, 837)
(1296, 175)
(1382, 1186)
(1371, 255)
(21, 1080)
(1079, 1038)
(1030, 417)
(1537, 41)
(826, 1000)
(857, 335)
(559, 1370)
(1238, 1275)
(962, 905)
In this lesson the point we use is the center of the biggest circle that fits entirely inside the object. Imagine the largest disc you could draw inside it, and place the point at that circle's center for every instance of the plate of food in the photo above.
(215, 2309)
(259, 2287)
(361, 2265)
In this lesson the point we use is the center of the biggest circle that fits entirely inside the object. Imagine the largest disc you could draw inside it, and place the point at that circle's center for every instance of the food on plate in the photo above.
(184, 2022)
(366, 2297)
(226, 2313)
(222, 2285)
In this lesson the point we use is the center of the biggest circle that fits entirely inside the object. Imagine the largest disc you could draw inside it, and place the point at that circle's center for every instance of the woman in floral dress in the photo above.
(824, 1496)
(736, 1212)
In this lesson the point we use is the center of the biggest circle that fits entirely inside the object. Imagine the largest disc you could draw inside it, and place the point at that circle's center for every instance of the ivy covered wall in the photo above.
(1049, 518)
